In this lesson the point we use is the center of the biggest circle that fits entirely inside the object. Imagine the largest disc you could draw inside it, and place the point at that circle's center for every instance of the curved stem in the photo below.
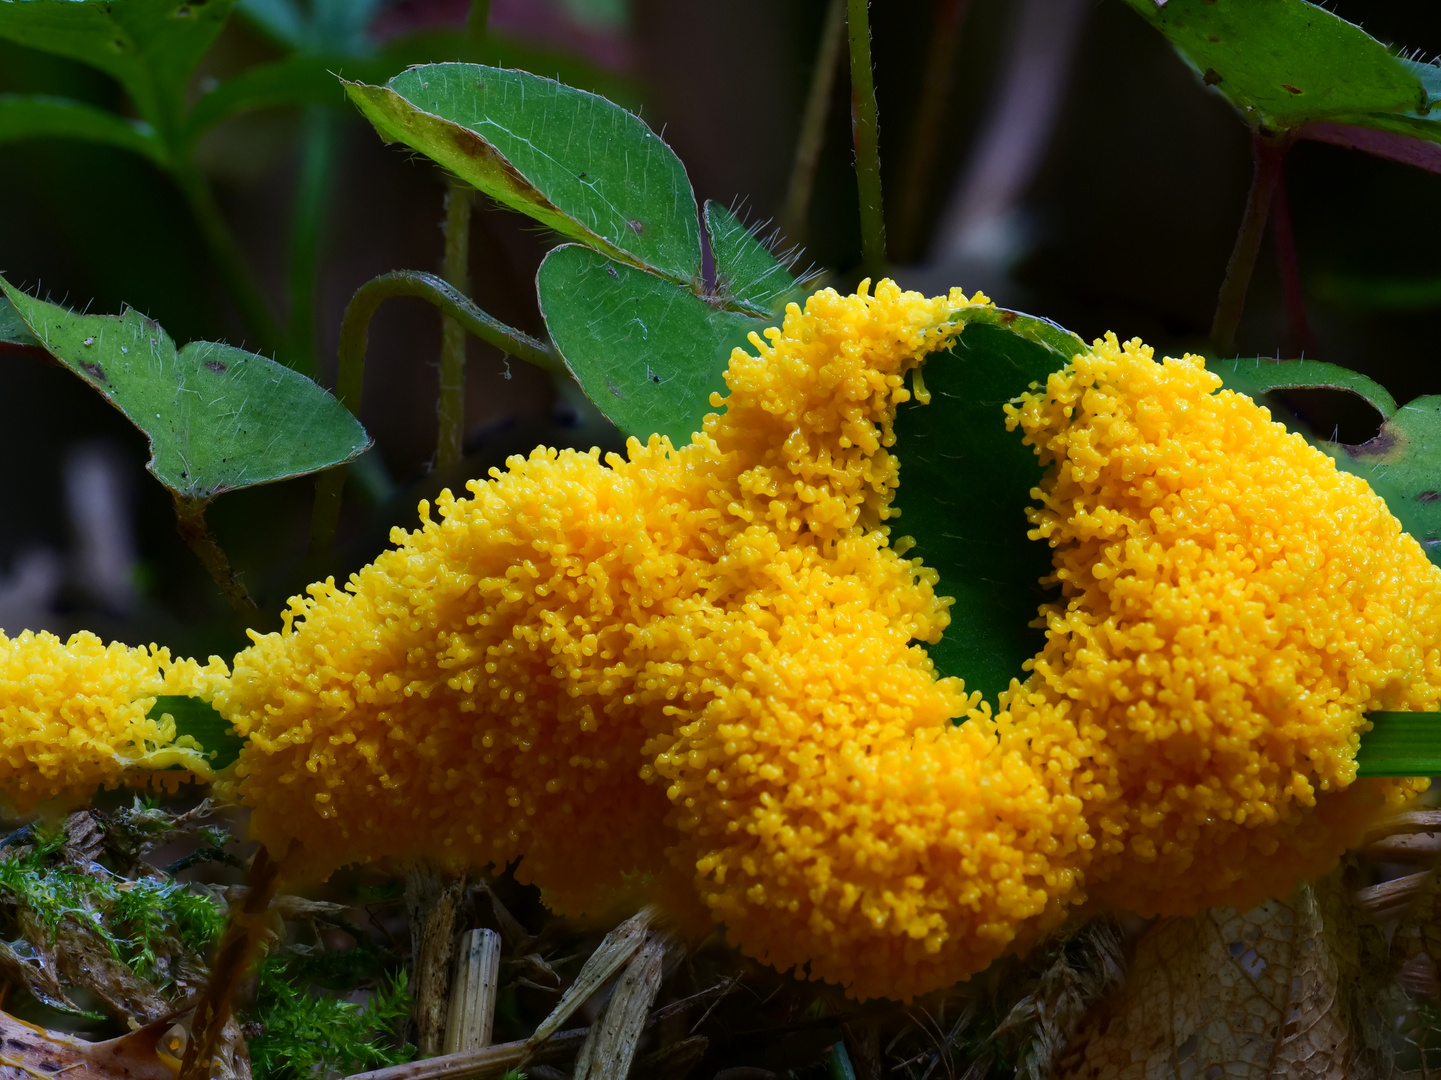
(1232, 299)
(229, 259)
(451, 406)
(865, 132)
(350, 376)
(813, 123)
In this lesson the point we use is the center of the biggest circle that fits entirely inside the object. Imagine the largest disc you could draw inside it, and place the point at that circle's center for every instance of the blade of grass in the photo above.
(319, 139)
(1401, 744)
(865, 133)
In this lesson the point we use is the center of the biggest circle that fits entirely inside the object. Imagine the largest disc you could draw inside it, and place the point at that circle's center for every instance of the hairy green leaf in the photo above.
(13, 330)
(217, 417)
(574, 161)
(151, 47)
(965, 485)
(1254, 377)
(648, 352)
(1286, 62)
(748, 276)
(30, 116)
(199, 720)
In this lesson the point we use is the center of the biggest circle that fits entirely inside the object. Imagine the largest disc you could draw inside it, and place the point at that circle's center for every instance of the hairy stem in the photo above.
(926, 134)
(229, 259)
(865, 133)
(451, 406)
(350, 377)
(190, 519)
(238, 947)
(1232, 300)
(813, 123)
(319, 131)
(1297, 327)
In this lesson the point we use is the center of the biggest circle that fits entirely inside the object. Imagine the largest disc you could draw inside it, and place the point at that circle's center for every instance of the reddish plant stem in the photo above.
(926, 127)
(1297, 327)
(1232, 299)
(813, 123)
(238, 947)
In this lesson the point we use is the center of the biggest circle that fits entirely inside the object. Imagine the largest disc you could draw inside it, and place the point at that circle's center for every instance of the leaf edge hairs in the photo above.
(697, 674)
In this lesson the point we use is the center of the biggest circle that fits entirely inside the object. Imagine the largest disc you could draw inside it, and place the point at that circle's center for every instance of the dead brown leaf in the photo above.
(1257, 995)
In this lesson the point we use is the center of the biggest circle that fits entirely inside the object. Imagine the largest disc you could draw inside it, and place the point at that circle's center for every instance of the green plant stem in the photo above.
(927, 129)
(350, 375)
(813, 123)
(319, 130)
(865, 133)
(451, 406)
(190, 519)
(1401, 744)
(1268, 155)
(229, 259)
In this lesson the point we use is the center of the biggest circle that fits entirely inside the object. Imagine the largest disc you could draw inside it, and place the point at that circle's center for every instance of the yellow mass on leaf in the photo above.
(73, 717)
(698, 674)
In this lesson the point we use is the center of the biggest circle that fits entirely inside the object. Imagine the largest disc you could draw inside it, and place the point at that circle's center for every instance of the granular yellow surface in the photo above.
(73, 717)
(1232, 603)
(698, 674)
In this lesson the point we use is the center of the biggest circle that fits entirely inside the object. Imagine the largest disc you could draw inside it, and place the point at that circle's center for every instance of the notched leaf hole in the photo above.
(216, 366)
(1338, 415)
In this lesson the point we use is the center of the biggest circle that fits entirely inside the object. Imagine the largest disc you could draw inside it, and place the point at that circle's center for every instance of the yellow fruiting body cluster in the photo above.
(1232, 604)
(699, 673)
(73, 717)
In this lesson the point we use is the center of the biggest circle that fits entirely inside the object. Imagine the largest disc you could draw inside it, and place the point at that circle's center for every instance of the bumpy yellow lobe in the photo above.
(1232, 602)
(73, 716)
(703, 658)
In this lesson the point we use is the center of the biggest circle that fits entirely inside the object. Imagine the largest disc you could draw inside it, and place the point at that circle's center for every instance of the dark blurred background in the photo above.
(1059, 157)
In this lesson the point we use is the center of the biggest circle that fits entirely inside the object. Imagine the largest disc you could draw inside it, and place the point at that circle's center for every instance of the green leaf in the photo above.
(217, 417)
(572, 160)
(198, 719)
(965, 485)
(30, 116)
(1401, 744)
(13, 330)
(150, 46)
(1260, 376)
(748, 276)
(647, 352)
(1286, 62)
